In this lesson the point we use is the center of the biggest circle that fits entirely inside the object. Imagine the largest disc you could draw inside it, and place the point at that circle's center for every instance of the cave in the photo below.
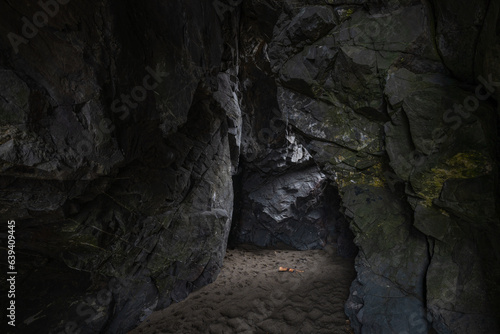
(250, 166)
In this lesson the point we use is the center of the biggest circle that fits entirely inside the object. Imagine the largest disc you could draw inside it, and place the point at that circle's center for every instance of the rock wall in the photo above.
(396, 102)
(117, 150)
(127, 129)
(282, 196)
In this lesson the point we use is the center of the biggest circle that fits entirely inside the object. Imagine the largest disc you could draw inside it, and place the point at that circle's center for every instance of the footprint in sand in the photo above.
(285, 302)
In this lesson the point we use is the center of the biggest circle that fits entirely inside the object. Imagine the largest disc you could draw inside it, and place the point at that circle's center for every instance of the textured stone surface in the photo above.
(374, 100)
(281, 195)
(288, 209)
(321, 120)
(121, 208)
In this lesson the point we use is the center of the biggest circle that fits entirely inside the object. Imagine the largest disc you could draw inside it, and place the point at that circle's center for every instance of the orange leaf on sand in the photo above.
(290, 270)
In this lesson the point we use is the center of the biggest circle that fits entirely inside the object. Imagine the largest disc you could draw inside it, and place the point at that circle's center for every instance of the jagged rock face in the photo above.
(281, 194)
(123, 125)
(118, 144)
(287, 208)
(372, 89)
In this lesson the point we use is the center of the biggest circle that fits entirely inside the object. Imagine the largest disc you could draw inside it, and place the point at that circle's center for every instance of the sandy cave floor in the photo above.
(251, 296)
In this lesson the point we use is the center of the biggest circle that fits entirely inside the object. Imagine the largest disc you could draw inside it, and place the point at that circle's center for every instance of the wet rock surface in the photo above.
(135, 139)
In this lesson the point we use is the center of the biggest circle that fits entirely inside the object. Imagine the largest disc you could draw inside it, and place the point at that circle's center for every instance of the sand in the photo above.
(251, 296)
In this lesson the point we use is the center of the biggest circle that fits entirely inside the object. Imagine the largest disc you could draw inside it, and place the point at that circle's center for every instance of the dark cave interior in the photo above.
(147, 147)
